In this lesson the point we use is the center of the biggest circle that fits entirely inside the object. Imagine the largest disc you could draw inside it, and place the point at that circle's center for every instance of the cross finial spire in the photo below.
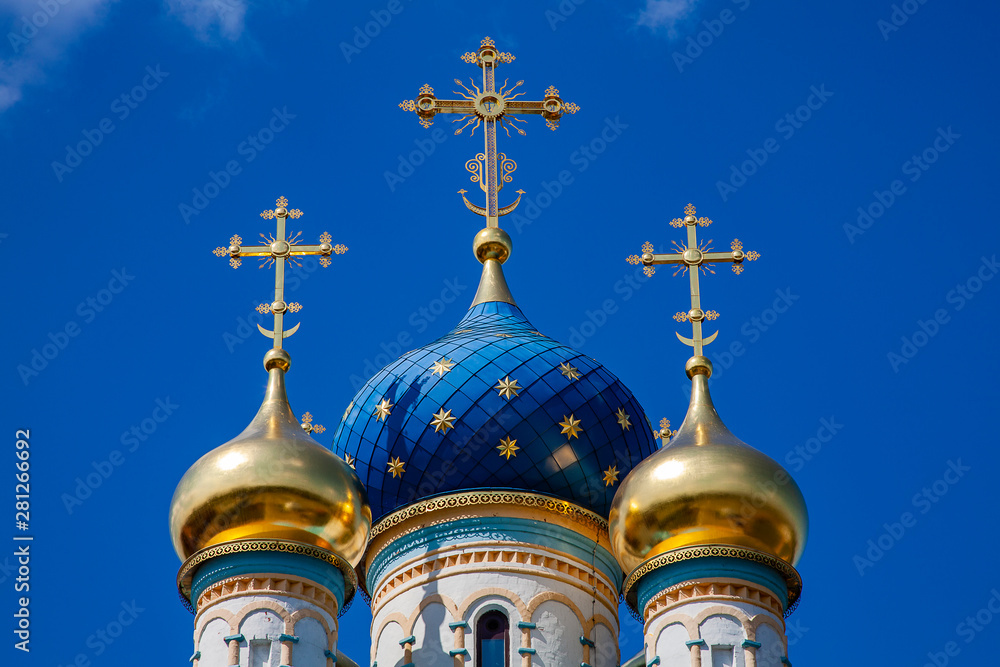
(693, 258)
(277, 250)
(489, 107)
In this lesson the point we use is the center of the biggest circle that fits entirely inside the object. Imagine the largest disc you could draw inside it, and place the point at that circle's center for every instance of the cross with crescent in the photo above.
(277, 250)
(491, 107)
(693, 258)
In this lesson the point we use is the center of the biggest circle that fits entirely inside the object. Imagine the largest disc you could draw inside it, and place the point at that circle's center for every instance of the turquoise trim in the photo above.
(288, 638)
(663, 578)
(412, 639)
(239, 638)
(654, 661)
(695, 642)
(526, 651)
(585, 664)
(409, 664)
(231, 565)
(460, 624)
(196, 656)
(749, 644)
(786, 661)
(458, 651)
(586, 642)
(524, 531)
(522, 625)
(330, 654)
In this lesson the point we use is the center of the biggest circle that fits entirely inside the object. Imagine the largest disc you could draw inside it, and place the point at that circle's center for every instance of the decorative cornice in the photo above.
(186, 573)
(286, 585)
(713, 590)
(792, 579)
(492, 498)
(493, 559)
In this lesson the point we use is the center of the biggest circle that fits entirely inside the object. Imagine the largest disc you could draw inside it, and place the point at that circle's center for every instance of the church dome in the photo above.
(273, 481)
(493, 404)
(707, 487)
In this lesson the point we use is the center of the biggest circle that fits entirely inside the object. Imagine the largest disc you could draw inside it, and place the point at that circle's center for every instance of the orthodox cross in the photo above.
(693, 258)
(277, 250)
(492, 107)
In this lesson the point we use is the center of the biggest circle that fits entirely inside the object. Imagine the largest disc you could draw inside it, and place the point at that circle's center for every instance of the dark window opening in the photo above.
(492, 640)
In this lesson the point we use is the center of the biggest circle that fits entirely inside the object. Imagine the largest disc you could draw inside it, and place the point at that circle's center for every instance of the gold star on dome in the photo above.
(570, 427)
(569, 371)
(442, 366)
(508, 447)
(396, 467)
(611, 475)
(442, 421)
(383, 409)
(349, 460)
(508, 387)
(623, 419)
(504, 335)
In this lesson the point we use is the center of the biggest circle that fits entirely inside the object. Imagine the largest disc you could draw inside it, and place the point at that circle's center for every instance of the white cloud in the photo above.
(665, 14)
(211, 18)
(38, 37)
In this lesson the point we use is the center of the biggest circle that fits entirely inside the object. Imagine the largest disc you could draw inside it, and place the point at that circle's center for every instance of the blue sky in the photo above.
(852, 144)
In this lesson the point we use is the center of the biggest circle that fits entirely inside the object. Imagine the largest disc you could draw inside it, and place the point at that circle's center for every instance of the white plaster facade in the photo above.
(717, 625)
(435, 598)
(262, 610)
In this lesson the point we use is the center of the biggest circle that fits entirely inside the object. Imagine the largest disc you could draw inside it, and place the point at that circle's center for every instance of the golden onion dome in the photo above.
(706, 487)
(272, 481)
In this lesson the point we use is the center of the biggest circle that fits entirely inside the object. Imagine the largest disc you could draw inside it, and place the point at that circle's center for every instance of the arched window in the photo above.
(492, 640)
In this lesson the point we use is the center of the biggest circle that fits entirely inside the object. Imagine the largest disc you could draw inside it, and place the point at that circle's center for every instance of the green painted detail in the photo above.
(526, 651)
(525, 626)
(412, 639)
(460, 624)
(786, 661)
(239, 638)
(750, 644)
(330, 654)
(458, 651)
(654, 661)
(288, 638)
(196, 656)
(586, 642)
(695, 642)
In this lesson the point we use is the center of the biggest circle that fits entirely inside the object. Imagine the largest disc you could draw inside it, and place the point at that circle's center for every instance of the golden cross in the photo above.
(664, 434)
(309, 427)
(277, 250)
(693, 258)
(492, 107)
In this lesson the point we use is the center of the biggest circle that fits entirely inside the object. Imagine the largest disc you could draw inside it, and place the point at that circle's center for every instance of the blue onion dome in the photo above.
(493, 404)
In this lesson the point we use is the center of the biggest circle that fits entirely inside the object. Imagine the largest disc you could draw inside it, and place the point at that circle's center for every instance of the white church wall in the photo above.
(671, 645)
(210, 642)
(556, 637)
(312, 645)
(605, 652)
(724, 633)
(772, 647)
(388, 652)
(434, 637)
